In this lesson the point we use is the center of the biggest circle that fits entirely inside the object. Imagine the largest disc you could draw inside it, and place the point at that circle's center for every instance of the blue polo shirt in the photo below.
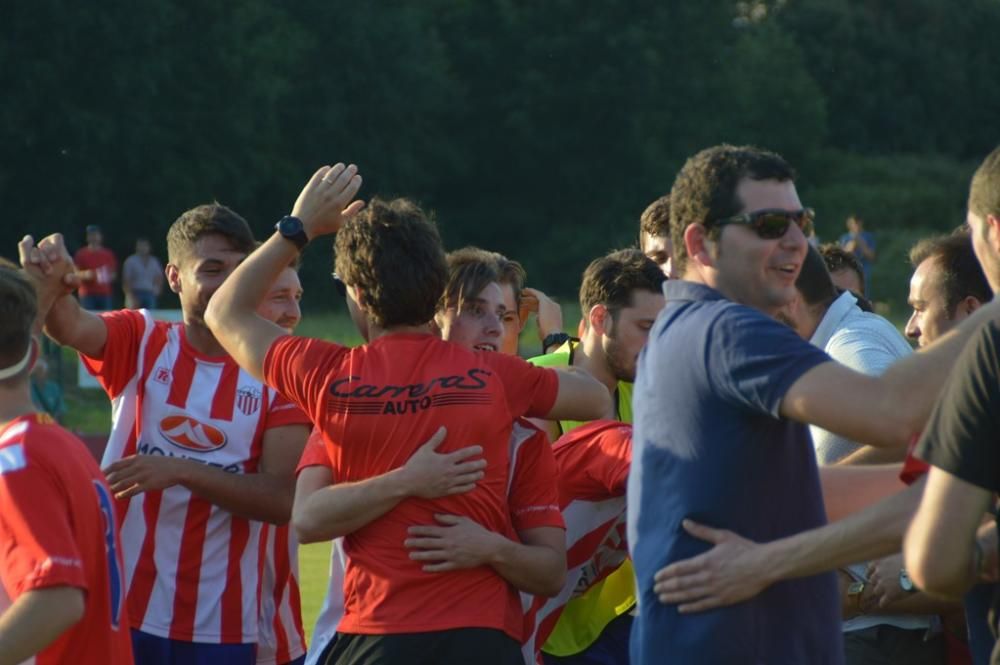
(709, 444)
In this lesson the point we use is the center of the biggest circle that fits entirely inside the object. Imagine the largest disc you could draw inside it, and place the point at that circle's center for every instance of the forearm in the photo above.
(36, 619)
(870, 455)
(340, 509)
(872, 533)
(581, 397)
(264, 497)
(70, 325)
(849, 489)
(913, 384)
(535, 569)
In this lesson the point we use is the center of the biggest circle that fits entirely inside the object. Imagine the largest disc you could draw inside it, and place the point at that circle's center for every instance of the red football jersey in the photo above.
(376, 404)
(57, 528)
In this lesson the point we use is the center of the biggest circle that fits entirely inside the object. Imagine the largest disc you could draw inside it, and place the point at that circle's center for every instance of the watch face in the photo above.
(905, 582)
(290, 226)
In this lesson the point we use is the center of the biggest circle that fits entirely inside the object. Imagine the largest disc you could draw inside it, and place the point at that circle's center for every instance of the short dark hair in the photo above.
(814, 282)
(705, 188)
(961, 275)
(470, 270)
(18, 309)
(204, 220)
(610, 280)
(392, 251)
(655, 219)
(984, 192)
(837, 258)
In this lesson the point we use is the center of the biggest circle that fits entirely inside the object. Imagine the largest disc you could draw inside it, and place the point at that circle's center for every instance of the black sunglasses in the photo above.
(339, 285)
(771, 224)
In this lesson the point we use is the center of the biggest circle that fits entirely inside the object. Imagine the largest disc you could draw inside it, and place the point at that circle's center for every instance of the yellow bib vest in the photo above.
(585, 617)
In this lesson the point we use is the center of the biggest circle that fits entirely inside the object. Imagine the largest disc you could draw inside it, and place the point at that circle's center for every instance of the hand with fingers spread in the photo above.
(430, 474)
(327, 200)
(143, 473)
(732, 571)
(549, 312)
(459, 543)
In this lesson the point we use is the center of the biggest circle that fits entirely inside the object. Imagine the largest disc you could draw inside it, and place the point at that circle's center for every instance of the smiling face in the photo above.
(199, 272)
(755, 271)
(477, 325)
(281, 305)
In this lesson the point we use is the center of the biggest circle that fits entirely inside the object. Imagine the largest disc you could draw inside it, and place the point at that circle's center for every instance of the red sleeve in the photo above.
(298, 368)
(114, 370)
(534, 497)
(913, 467)
(314, 454)
(38, 550)
(283, 412)
(531, 391)
(594, 460)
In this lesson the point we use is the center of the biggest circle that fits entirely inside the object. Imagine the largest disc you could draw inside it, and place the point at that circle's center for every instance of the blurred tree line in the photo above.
(539, 129)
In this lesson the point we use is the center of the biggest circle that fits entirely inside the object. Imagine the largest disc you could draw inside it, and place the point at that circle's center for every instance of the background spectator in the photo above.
(46, 394)
(861, 243)
(142, 277)
(97, 268)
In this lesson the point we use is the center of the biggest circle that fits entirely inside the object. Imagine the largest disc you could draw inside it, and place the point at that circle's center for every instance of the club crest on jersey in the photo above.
(248, 400)
(187, 433)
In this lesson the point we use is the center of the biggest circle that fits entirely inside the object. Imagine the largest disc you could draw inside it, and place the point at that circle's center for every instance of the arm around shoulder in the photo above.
(580, 397)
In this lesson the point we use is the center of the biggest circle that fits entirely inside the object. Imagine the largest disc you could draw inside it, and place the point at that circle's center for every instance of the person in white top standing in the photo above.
(200, 452)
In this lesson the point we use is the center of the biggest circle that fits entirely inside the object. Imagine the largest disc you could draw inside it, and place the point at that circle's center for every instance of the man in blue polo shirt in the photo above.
(722, 395)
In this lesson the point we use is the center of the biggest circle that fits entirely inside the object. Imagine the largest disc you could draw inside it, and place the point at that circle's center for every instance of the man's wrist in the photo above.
(293, 229)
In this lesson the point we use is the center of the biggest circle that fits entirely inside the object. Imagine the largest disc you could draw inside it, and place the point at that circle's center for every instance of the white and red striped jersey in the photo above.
(191, 567)
(531, 474)
(593, 462)
(280, 638)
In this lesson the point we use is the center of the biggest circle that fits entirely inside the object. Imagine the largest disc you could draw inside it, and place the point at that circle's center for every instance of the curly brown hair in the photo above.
(705, 188)
(392, 251)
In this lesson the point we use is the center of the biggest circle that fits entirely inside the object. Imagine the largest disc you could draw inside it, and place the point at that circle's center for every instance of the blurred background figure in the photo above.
(97, 269)
(46, 394)
(861, 244)
(142, 277)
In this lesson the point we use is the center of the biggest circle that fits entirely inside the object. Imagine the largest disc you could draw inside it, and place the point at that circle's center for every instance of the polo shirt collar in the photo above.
(678, 289)
(838, 311)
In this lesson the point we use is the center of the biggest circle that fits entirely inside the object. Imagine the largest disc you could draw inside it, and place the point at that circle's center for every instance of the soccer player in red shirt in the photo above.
(61, 576)
(97, 268)
(377, 403)
(200, 452)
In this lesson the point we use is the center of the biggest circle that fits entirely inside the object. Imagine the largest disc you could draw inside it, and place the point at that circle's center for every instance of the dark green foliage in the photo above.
(537, 129)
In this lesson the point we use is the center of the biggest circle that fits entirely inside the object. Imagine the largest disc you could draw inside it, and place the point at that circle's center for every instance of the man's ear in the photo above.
(698, 245)
(173, 275)
(599, 319)
(993, 233)
(969, 304)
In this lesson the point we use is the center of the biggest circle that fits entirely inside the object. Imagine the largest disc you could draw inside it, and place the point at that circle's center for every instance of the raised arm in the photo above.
(888, 410)
(50, 267)
(324, 203)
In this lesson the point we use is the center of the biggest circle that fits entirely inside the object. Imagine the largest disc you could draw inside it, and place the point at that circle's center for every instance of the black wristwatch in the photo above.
(291, 229)
(555, 339)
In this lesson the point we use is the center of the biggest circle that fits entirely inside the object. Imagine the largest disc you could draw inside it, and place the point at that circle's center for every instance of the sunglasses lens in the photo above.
(773, 225)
